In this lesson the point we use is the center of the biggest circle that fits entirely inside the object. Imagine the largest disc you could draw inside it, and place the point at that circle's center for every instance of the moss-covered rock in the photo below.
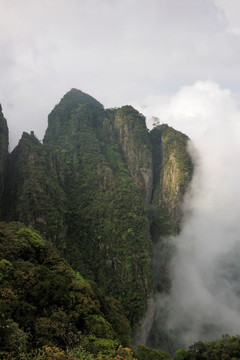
(136, 148)
(172, 174)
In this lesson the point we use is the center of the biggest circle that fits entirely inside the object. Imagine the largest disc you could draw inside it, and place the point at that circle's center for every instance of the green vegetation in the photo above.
(43, 303)
(104, 203)
(172, 172)
(59, 120)
(101, 190)
(136, 148)
(33, 194)
(3, 153)
(226, 348)
(100, 193)
(145, 353)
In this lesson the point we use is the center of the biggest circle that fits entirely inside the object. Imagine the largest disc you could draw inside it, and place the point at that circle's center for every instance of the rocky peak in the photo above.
(59, 120)
(3, 151)
(172, 171)
(136, 149)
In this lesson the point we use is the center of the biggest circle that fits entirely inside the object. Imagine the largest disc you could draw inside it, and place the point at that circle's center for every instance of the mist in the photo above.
(204, 300)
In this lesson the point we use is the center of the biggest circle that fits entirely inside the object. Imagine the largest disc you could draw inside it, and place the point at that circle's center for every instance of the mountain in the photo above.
(102, 190)
(3, 151)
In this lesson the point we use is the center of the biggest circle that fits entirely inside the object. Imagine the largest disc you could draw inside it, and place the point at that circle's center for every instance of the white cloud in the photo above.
(230, 12)
(204, 299)
(193, 109)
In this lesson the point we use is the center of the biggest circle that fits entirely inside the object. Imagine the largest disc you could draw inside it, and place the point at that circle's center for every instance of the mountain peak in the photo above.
(78, 97)
(60, 117)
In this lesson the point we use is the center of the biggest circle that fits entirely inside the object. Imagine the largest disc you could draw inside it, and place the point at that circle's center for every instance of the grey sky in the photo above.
(119, 51)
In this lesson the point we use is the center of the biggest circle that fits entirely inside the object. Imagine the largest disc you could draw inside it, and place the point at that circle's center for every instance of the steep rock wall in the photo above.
(136, 148)
(33, 194)
(172, 174)
(3, 152)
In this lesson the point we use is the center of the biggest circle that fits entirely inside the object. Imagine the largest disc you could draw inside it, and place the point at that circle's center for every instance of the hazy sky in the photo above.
(119, 51)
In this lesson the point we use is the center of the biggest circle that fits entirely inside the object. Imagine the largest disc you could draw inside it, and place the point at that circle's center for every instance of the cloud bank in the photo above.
(117, 51)
(204, 301)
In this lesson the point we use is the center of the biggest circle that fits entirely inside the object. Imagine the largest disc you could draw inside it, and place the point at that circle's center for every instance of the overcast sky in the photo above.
(178, 60)
(140, 52)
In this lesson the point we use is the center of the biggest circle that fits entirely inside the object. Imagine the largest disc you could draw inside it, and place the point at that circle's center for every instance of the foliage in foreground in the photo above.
(225, 348)
(44, 302)
(145, 353)
(79, 353)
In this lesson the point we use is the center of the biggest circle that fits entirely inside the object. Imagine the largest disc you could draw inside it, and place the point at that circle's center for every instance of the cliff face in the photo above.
(60, 119)
(3, 151)
(136, 148)
(34, 195)
(172, 174)
(96, 187)
(77, 190)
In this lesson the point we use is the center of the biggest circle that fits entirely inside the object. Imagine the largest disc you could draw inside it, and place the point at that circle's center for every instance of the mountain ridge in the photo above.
(102, 189)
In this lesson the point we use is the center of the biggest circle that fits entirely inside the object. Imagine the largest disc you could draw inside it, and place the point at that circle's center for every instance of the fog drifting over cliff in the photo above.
(204, 300)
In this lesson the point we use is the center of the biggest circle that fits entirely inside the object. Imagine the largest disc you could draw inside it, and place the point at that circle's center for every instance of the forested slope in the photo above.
(44, 302)
(101, 189)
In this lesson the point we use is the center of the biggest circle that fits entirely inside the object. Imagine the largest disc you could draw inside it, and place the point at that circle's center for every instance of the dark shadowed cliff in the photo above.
(3, 151)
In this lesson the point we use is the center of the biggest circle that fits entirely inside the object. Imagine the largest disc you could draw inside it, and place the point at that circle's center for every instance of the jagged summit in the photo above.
(72, 99)
(79, 97)
(60, 117)
(3, 150)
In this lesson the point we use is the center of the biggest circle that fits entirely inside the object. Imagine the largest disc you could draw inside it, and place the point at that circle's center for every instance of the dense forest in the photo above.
(80, 214)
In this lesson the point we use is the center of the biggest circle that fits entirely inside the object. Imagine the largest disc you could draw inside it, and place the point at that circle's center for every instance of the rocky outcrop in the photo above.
(3, 152)
(136, 148)
(172, 174)
(60, 120)
(33, 194)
